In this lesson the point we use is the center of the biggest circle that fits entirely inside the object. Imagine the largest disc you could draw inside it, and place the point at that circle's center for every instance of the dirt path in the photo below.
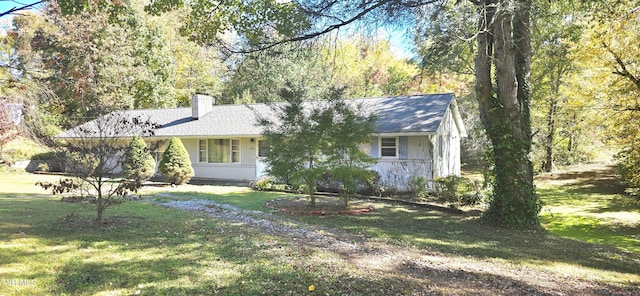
(436, 273)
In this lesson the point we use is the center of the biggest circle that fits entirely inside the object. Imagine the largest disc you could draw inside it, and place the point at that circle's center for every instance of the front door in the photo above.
(261, 165)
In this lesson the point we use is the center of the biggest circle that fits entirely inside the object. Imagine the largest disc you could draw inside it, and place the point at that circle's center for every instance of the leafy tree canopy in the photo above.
(313, 138)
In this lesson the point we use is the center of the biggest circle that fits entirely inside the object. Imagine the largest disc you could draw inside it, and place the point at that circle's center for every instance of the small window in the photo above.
(263, 148)
(388, 147)
(202, 146)
(235, 150)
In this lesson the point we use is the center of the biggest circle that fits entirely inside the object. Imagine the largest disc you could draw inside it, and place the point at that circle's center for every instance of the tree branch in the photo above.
(622, 67)
(19, 8)
(339, 24)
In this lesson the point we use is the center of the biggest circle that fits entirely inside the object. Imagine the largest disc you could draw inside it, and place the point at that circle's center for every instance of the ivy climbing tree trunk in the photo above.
(504, 94)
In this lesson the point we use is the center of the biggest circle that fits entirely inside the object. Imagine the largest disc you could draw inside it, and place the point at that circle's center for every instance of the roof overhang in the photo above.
(404, 134)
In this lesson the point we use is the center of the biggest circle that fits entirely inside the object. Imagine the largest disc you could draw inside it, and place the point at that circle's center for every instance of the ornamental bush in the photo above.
(175, 164)
(138, 164)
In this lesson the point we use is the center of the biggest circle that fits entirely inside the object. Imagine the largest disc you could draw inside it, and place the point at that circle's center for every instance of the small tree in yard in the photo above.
(138, 163)
(94, 157)
(175, 164)
(313, 139)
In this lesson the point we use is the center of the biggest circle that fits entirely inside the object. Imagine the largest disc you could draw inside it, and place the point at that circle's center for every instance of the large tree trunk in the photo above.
(504, 46)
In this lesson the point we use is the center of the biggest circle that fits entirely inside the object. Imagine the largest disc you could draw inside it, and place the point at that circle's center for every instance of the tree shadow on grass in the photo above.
(464, 282)
(601, 180)
(79, 276)
(452, 234)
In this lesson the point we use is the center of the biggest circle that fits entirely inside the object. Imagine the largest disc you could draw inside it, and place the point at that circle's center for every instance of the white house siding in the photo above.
(446, 143)
(245, 170)
(399, 173)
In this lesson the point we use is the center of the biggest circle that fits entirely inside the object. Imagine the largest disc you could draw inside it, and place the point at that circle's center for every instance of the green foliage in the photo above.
(138, 164)
(255, 21)
(514, 204)
(9, 128)
(370, 68)
(564, 135)
(259, 76)
(312, 139)
(446, 45)
(628, 161)
(264, 184)
(23, 148)
(419, 185)
(612, 52)
(307, 181)
(109, 57)
(175, 164)
(457, 190)
(351, 179)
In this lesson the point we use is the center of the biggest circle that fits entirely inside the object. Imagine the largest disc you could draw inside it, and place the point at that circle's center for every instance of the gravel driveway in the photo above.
(477, 276)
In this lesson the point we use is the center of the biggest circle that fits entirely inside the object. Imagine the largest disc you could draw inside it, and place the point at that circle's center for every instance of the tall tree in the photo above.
(258, 77)
(89, 62)
(503, 88)
(369, 67)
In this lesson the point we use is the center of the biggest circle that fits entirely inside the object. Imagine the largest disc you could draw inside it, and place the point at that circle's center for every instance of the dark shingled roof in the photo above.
(399, 114)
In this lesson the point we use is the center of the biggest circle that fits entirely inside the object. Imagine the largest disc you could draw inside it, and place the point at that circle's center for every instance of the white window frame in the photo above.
(230, 152)
(206, 151)
(380, 147)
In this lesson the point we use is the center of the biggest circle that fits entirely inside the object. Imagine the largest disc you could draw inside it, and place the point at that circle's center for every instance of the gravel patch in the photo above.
(270, 223)
(479, 277)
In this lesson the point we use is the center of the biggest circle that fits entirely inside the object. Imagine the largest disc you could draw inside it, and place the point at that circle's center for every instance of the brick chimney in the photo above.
(201, 104)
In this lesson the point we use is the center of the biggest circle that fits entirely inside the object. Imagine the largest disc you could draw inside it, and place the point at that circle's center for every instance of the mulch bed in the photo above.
(325, 206)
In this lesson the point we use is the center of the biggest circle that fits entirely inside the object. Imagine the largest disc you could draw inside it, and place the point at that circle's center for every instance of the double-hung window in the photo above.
(219, 150)
(388, 147)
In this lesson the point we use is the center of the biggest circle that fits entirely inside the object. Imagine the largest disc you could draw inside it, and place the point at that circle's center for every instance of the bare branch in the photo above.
(20, 8)
(365, 9)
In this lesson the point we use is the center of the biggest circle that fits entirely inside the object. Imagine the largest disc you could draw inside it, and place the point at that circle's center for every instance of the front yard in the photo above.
(51, 247)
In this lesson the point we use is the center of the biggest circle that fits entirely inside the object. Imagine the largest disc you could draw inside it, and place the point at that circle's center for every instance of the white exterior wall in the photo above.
(429, 156)
(245, 170)
(446, 160)
(399, 173)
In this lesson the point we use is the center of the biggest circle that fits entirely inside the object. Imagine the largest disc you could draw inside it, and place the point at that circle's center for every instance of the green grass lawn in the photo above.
(51, 248)
(589, 206)
(48, 247)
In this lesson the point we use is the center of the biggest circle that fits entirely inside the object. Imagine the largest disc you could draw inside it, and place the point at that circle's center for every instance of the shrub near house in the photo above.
(138, 163)
(175, 164)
